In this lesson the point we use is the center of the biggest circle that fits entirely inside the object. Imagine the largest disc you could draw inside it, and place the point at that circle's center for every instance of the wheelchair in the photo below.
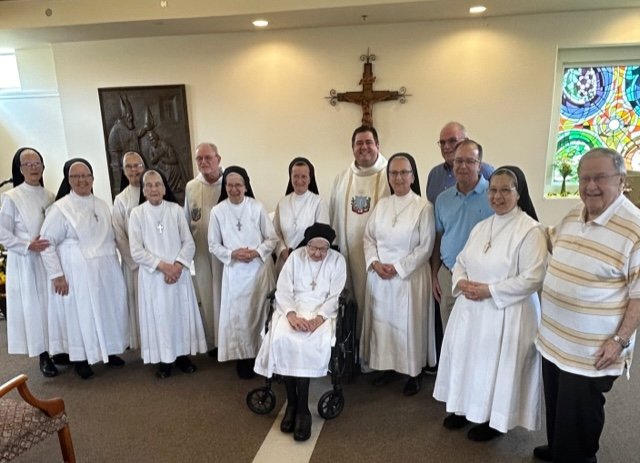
(262, 400)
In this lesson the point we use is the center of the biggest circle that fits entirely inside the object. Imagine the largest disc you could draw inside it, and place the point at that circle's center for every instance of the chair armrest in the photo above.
(12, 384)
(50, 407)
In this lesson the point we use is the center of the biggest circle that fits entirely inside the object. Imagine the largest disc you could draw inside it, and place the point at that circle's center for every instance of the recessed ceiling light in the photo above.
(477, 9)
(261, 23)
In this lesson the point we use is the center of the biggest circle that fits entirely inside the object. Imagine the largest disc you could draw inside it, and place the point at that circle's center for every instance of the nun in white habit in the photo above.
(301, 207)
(242, 237)
(21, 216)
(161, 243)
(489, 370)
(302, 329)
(398, 320)
(88, 316)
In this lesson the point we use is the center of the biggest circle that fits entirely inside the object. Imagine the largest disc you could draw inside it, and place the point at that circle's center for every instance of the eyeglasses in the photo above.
(500, 191)
(31, 165)
(133, 166)
(315, 249)
(400, 173)
(80, 177)
(449, 141)
(597, 179)
(468, 162)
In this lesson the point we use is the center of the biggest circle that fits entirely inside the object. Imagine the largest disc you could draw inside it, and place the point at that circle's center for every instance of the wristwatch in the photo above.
(623, 342)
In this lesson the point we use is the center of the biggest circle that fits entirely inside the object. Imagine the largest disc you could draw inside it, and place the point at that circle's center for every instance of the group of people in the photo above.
(446, 284)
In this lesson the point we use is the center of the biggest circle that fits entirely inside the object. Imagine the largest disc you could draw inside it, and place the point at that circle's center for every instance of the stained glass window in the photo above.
(600, 107)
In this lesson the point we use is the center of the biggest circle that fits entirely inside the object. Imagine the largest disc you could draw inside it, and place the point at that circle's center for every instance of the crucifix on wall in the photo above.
(367, 97)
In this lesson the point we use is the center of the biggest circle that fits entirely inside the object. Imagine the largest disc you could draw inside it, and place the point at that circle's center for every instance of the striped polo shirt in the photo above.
(593, 273)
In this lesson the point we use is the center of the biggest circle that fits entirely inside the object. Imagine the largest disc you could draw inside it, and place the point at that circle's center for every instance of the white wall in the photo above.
(260, 96)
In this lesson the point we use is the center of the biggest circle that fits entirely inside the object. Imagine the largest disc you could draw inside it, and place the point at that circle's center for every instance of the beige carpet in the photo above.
(127, 415)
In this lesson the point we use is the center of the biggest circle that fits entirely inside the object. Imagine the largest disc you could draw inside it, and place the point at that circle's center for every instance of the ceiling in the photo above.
(29, 22)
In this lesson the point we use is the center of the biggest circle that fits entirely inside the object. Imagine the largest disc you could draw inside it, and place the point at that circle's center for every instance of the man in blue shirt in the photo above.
(457, 211)
(441, 176)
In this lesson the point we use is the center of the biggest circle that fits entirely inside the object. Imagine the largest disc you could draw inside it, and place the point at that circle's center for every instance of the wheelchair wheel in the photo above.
(261, 401)
(331, 404)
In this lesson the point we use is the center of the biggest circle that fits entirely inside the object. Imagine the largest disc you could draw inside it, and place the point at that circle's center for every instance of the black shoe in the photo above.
(483, 433)
(384, 378)
(412, 386)
(115, 361)
(302, 428)
(83, 369)
(288, 421)
(61, 359)
(164, 370)
(430, 371)
(47, 367)
(454, 421)
(543, 453)
(213, 353)
(184, 363)
(244, 368)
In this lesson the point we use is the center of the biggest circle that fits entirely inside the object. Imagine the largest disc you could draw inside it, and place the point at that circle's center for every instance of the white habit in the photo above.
(200, 197)
(354, 195)
(123, 204)
(286, 351)
(398, 323)
(27, 286)
(489, 368)
(244, 285)
(91, 322)
(294, 214)
(170, 323)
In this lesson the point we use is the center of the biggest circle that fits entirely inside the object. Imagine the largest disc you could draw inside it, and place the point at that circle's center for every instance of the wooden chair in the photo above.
(24, 423)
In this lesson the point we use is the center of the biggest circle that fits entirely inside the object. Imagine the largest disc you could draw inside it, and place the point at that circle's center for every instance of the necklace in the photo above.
(315, 277)
(95, 216)
(397, 214)
(239, 217)
(159, 225)
(296, 214)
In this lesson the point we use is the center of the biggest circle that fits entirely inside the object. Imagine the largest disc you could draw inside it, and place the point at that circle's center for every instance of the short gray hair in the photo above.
(616, 158)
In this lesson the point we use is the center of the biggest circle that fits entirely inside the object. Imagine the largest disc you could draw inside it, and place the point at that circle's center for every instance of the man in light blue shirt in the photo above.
(457, 211)
(441, 176)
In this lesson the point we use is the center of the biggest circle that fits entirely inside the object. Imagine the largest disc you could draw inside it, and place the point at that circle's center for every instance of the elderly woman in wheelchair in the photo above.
(298, 343)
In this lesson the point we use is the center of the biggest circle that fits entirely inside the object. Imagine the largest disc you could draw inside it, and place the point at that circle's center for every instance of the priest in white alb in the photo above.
(21, 215)
(241, 235)
(88, 316)
(161, 243)
(398, 333)
(201, 194)
(354, 195)
(132, 167)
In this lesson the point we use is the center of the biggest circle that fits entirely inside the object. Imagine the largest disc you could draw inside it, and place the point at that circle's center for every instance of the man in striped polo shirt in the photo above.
(590, 308)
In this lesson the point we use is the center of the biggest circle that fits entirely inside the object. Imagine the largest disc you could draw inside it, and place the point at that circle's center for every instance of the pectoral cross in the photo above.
(239, 225)
(160, 228)
(367, 97)
(313, 284)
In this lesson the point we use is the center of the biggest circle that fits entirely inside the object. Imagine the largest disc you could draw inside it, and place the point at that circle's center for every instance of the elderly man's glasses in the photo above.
(80, 177)
(449, 141)
(31, 165)
(599, 179)
(400, 173)
(467, 162)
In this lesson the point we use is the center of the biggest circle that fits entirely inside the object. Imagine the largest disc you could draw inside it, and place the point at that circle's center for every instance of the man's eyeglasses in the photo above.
(31, 165)
(449, 141)
(468, 162)
(597, 179)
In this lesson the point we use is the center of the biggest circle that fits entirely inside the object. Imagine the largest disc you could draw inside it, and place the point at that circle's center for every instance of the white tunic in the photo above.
(489, 368)
(286, 351)
(91, 322)
(354, 195)
(21, 216)
(294, 214)
(200, 197)
(398, 325)
(244, 285)
(170, 323)
(123, 204)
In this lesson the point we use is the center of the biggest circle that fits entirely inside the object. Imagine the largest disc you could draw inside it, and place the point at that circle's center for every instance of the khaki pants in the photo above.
(446, 298)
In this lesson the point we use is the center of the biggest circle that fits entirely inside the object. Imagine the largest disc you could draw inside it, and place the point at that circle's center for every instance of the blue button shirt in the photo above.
(456, 214)
(441, 178)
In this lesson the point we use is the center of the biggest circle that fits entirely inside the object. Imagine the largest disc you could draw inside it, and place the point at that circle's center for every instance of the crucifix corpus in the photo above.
(367, 97)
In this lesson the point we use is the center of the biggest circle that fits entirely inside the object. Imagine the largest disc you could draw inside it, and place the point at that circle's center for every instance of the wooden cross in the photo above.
(367, 97)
